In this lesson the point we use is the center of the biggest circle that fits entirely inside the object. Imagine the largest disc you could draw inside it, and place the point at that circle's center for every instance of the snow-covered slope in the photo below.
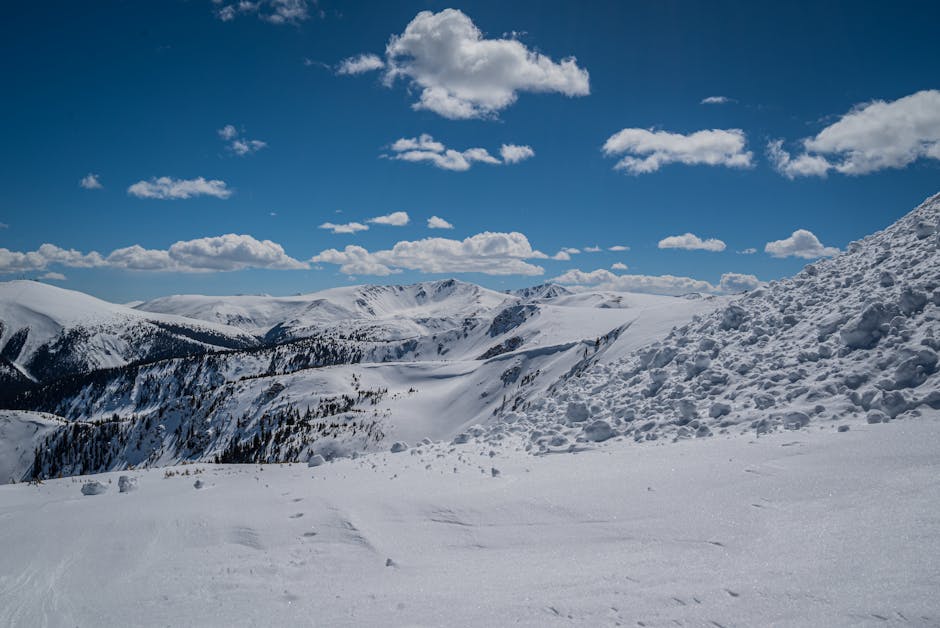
(337, 393)
(48, 332)
(818, 528)
(20, 434)
(393, 312)
(851, 339)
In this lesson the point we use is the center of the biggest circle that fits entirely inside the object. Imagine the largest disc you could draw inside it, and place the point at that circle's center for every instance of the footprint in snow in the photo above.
(297, 515)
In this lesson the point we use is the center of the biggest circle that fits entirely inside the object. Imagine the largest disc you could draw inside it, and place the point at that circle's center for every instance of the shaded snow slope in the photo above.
(20, 434)
(47, 332)
(854, 338)
(818, 528)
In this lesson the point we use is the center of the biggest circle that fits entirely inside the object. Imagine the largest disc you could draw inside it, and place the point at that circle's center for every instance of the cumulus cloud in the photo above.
(801, 243)
(231, 252)
(592, 249)
(241, 146)
(271, 11)
(50, 276)
(360, 64)
(435, 222)
(732, 283)
(647, 151)
(803, 165)
(460, 74)
(513, 153)
(489, 253)
(618, 248)
(872, 136)
(691, 242)
(90, 182)
(395, 219)
(619, 266)
(348, 227)
(654, 284)
(221, 253)
(168, 188)
(425, 148)
(748, 251)
(716, 100)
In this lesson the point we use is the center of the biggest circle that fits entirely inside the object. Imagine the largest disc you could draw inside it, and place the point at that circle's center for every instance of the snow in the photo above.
(108, 335)
(590, 458)
(790, 529)
(20, 434)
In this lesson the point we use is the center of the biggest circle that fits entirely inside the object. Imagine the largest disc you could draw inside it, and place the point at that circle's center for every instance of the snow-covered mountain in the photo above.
(339, 371)
(47, 332)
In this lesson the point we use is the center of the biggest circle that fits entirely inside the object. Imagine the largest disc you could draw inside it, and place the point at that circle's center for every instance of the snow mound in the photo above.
(853, 338)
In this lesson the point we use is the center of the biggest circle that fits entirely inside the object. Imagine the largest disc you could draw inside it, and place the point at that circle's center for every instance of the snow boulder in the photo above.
(93, 488)
(865, 330)
(599, 431)
(316, 460)
(399, 446)
(915, 370)
(719, 409)
(577, 412)
(796, 420)
(733, 317)
(126, 484)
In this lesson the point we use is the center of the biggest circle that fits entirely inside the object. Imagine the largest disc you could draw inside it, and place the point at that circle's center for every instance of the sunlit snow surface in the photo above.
(803, 528)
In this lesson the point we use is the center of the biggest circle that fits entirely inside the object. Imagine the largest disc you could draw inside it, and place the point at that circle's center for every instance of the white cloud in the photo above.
(435, 222)
(870, 137)
(748, 251)
(488, 253)
(246, 147)
(716, 100)
(461, 75)
(395, 219)
(425, 148)
(50, 276)
(691, 242)
(647, 151)
(562, 256)
(360, 64)
(227, 252)
(619, 266)
(90, 182)
(732, 283)
(231, 252)
(572, 250)
(592, 249)
(4, 225)
(654, 284)
(221, 253)
(239, 145)
(272, 11)
(802, 244)
(349, 227)
(513, 153)
(618, 248)
(800, 166)
(167, 188)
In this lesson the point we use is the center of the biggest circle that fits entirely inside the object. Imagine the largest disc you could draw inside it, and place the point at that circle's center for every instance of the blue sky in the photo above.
(134, 91)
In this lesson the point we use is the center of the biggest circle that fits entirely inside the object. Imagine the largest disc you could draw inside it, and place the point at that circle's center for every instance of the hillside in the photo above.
(847, 340)
(47, 332)
(339, 372)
